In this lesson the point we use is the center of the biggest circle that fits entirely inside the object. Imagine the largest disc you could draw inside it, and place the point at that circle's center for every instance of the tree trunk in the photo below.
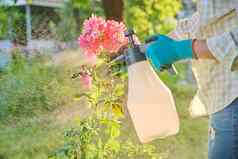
(113, 9)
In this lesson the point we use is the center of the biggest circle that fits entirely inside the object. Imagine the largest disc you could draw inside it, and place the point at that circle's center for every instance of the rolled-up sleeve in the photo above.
(186, 28)
(221, 45)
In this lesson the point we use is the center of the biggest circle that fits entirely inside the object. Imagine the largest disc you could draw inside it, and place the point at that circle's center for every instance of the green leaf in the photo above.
(117, 110)
(119, 90)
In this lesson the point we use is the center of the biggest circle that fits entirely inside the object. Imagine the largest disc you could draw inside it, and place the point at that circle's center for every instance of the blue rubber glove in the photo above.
(162, 50)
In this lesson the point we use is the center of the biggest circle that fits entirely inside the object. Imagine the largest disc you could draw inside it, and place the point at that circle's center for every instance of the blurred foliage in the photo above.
(87, 7)
(72, 16)
(30, 87)
(65, 30)
(9, 18)
(151, 16)
(3, 24)
(145, 16)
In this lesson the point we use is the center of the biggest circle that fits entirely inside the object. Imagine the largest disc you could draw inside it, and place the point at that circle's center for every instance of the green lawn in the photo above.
(29, 139)
(34, 138)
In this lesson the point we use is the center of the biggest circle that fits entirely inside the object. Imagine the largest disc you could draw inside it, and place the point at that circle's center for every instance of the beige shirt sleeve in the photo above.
(220, 45)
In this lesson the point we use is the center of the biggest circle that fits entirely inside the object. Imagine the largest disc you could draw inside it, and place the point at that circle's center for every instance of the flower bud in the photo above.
(86, 81)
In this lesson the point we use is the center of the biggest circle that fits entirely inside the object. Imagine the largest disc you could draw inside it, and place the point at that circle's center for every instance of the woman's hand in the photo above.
(162, 50)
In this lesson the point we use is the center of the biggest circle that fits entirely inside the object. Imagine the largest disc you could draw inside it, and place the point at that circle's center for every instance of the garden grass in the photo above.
(35, 138)
(29, 139)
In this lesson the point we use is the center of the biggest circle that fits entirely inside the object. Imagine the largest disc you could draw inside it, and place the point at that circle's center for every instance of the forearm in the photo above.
(201, 50)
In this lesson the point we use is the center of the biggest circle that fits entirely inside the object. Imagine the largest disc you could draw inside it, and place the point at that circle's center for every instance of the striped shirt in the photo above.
(215, 21)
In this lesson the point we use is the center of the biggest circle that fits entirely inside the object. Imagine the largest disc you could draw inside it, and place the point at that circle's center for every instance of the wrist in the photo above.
(201, 50)
(194, 41)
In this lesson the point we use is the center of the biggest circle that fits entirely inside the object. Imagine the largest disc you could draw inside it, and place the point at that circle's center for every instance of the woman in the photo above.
(210, 39)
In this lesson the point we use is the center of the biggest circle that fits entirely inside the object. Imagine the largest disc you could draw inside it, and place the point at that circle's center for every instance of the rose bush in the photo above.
(100, 134)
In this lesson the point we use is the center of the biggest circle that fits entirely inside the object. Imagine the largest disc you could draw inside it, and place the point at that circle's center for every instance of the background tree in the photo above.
(151, 16)
(113, 9)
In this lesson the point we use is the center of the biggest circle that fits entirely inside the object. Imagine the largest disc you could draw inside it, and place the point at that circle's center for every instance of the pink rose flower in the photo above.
(99, 35)
(114, 37)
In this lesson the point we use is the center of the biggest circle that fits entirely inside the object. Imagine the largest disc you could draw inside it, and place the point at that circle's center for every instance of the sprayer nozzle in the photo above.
(129, 33)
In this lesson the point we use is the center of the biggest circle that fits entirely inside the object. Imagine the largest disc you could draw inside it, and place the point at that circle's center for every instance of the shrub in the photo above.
(30, 87)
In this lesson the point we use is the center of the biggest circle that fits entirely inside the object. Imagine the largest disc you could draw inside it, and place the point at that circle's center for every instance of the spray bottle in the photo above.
(150, 102)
